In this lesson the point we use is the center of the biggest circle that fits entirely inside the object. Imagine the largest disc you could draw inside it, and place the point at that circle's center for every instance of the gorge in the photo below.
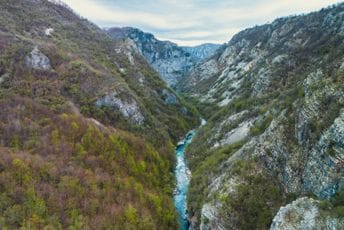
(92, 120)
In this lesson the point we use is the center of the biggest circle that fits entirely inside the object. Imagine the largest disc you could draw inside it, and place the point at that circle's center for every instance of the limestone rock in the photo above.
(4, 77)
(300, 214)
(324, 171)
(37, 60)
(282, 70)
(48, 31)
(129, 109)
(209, 218)
(201, 52)
(168, 59)
(170, 98)
(304, 214)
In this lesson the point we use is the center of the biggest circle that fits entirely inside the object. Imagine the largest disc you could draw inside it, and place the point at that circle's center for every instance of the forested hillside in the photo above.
(87, 126)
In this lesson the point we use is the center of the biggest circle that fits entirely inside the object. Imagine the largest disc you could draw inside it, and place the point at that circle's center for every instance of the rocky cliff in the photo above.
(201, 52)
(168, 59)
(276, 131)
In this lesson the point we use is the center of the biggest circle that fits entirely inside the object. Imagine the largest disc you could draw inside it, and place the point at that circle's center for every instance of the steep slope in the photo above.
(170, 60)
(274, 99)
(201, 52)
(86, 127)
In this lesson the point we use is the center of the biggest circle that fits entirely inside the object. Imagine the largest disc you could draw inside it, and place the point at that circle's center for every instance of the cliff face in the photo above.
(86, 125)
(277, 130)
(304, 213)
(201, 52)
(168, 59)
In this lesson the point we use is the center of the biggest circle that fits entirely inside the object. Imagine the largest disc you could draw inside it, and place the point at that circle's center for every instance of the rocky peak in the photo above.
(167, 58)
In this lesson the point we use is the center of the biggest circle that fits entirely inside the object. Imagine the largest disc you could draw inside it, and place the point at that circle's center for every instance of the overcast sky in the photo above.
(191, 22)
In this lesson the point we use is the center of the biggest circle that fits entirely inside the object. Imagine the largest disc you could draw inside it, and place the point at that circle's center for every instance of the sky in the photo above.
(191, 22)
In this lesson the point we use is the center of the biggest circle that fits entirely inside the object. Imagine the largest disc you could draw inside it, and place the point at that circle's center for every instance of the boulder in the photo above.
(129, 109)
(37, 60)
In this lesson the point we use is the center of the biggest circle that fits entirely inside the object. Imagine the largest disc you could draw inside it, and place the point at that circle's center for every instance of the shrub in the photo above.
(256, 200)
(261, 126)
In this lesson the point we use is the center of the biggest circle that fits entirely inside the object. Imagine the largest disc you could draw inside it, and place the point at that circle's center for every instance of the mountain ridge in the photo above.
(273, 96)
(173, 62)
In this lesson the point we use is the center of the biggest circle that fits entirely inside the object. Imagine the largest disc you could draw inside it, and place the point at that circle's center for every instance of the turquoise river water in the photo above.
(183, 174)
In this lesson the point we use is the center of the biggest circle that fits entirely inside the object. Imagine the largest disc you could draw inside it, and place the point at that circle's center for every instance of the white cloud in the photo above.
(101, 13)
(191, 22)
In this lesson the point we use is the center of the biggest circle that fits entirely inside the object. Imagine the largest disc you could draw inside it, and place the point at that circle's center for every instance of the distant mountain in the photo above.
(168, 59)
(274, 100)
(201, 52)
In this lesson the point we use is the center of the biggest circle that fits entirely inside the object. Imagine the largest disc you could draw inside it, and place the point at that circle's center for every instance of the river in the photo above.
(183, 174)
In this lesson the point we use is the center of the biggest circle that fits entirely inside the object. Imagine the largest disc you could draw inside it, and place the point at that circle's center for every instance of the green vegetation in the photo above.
(260, 126)
(333, 106)
(335, 206)
(86, 67)
(300, 89)
(210, 166)
(72, 173)
(207, 109)
(256, 199)
(60, 169)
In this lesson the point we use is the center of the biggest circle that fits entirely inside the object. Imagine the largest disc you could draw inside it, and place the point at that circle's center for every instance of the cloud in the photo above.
(191, 22)
(102, 14)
